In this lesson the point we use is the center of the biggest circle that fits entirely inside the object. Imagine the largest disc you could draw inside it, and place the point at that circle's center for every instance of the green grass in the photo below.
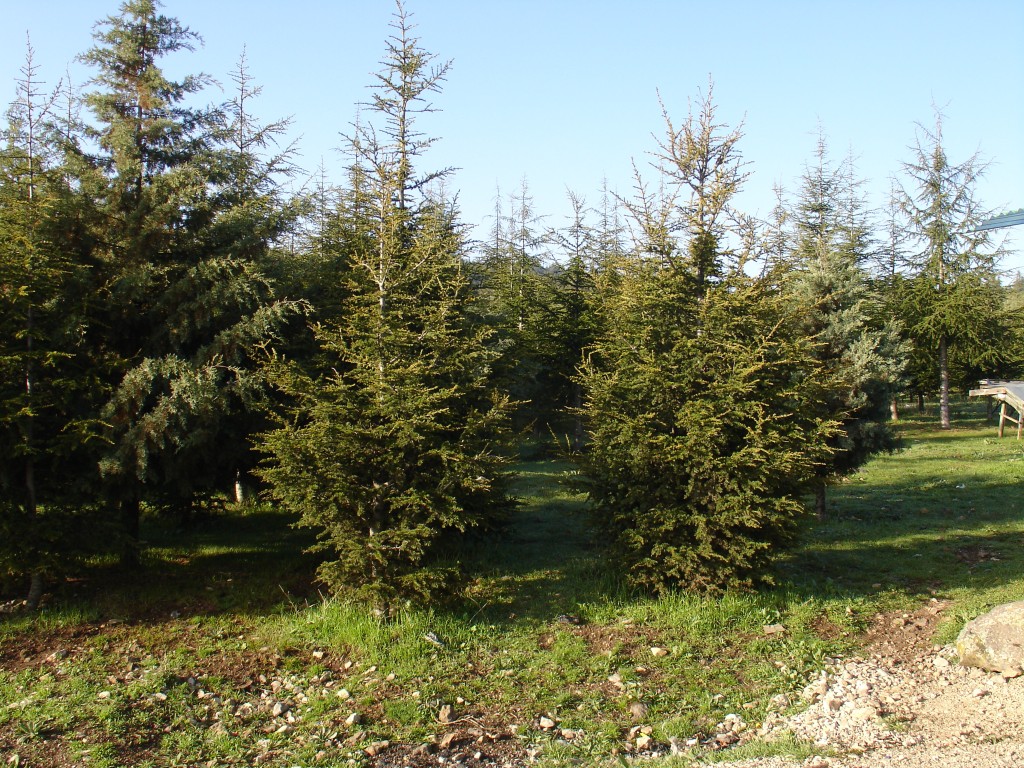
(227, 609)
(943, 516)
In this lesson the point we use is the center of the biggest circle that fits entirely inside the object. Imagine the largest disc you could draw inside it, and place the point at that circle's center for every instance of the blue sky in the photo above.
(564, 93)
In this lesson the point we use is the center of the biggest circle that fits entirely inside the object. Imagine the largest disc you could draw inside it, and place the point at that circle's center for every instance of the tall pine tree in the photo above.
(188, 303)
(701, 398)
(393, 443)
(46, 458)
(858, 349)
(954, 296)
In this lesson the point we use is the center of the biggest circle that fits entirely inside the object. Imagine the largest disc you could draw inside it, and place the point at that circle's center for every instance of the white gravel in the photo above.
(930, 711)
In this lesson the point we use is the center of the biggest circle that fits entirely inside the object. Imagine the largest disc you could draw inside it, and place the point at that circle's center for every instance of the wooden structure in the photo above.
(1010, 394)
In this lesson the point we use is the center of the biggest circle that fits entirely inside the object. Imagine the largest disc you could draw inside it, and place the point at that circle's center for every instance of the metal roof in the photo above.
(1010, 219)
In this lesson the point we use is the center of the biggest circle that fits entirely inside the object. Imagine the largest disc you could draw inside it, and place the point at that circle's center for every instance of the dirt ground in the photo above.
(932, 711)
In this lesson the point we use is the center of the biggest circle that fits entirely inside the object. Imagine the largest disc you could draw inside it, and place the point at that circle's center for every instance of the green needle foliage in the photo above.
(859, 351)
(702, 397)
(701, 442)
(189, 213)
(393, 439)
(46, 459)
(953, 300)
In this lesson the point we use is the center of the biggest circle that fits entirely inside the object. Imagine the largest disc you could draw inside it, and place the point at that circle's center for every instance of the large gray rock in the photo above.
(995, 640)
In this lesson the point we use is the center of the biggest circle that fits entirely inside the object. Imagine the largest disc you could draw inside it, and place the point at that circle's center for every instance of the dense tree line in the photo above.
(177, 322)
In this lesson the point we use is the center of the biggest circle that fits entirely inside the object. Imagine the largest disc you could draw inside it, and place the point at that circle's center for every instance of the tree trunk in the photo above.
(35, 590)
(920, 402)
(577, 422)
(819, 501)
(241, 492)
(894, 409)
(944, 419)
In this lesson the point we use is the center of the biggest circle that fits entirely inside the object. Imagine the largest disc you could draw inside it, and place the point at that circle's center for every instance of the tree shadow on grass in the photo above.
(930, 534)
(944, 513)
(230, 562)
(544, 561)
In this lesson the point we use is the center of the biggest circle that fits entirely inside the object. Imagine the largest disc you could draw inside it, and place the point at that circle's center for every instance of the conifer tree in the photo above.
(515, 294)
(46, 392)
(253, 222)
(392, 444)
(701, 398)
(857, 348)
(954, 294)
(573, 317)
(187, 302)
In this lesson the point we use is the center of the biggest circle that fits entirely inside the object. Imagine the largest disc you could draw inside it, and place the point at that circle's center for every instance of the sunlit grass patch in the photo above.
(546, 628)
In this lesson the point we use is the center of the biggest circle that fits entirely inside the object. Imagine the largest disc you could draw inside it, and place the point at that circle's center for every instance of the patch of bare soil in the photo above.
(252, 688)
(906, 703)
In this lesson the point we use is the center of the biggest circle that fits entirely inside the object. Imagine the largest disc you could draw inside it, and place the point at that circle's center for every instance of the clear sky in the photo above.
(564, 93)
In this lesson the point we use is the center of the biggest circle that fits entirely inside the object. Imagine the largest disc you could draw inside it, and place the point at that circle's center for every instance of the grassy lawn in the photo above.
(222, 652)
(943, 516)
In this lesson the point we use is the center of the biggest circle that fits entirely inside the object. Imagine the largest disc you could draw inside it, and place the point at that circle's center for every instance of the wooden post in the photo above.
(1002, 417)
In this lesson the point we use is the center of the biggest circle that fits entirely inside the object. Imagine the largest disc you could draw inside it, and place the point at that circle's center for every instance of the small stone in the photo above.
(445, 715)
(343, 694)
(318, 655)
(863, 714)
(103, 695)
(1009, 674)
(638, 710)
(279, 709)
(941, 662)
(546, 723)
(376, 748)
(568, 734)
(644, 741)
(774, 629)
(447, 739)
(354, 719)
(832, 703)
(433, 639)
(658, 652)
